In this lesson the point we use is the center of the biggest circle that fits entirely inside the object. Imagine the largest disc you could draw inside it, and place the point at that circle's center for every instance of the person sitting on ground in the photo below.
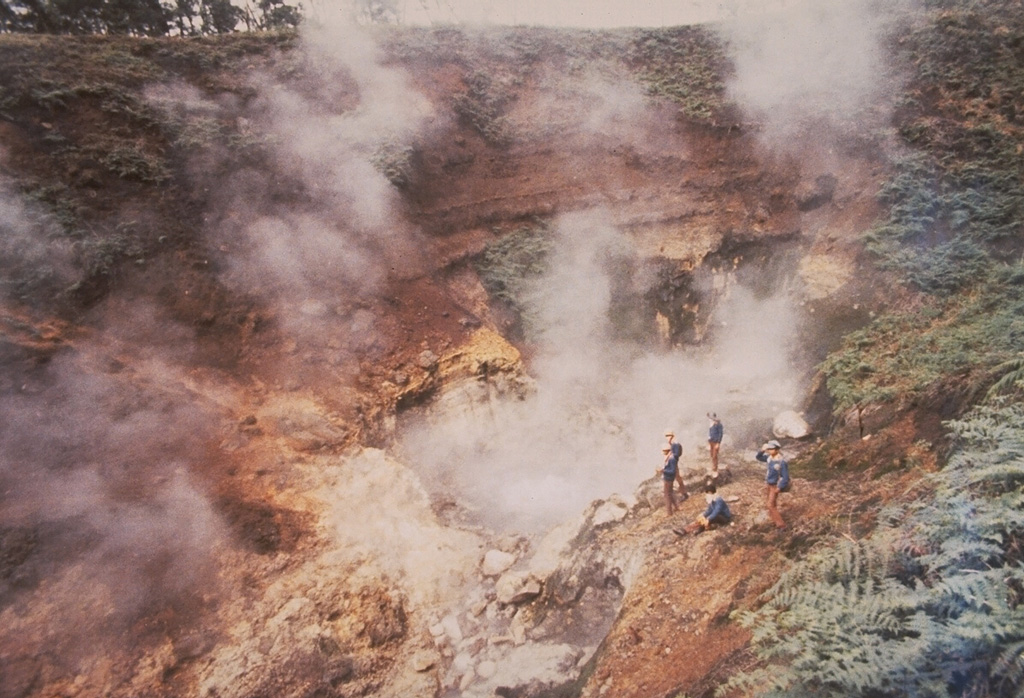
(776, 479)
(716, 514)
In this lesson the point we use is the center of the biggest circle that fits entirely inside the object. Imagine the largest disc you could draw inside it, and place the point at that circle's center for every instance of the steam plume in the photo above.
(802, 63)
(331, 223)
(592, 425)
(98, 501)
(35, 259)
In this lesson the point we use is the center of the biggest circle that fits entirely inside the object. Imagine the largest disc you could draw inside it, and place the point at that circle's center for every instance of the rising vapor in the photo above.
(99, 497)
(336, 226)
(805, 64)
(591, 424)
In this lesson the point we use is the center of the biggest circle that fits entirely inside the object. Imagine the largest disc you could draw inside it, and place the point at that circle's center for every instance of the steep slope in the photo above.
(234, 268)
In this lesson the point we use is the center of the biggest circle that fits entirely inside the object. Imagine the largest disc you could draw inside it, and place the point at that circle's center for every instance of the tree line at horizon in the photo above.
(172, 17)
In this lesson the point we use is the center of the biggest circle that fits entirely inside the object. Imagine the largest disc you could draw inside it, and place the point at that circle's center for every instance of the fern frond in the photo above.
(1011, 379)
(931, 599)
(1010, 665)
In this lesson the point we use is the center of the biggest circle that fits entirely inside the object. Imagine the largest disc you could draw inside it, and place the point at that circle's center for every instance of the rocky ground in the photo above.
(220, 506)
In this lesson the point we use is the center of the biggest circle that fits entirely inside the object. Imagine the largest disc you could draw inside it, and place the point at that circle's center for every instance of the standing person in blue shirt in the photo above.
(677, 453)
(669, 472)
(714, 441)
(776, 479)
(716, 514)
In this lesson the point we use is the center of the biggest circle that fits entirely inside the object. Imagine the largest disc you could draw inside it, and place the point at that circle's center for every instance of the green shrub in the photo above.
(902, 355)
(958, 192)
(1010, 379)
(131, 162)
(686, 65)
(482, 106)
(51, 96)
(507, 265)
(196, 132)
(931, 604)
(394, 160)
(102, 255)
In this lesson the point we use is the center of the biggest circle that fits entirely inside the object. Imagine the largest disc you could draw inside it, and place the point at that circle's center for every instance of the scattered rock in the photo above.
(339, 670)
(518, 629)
(427, 360)
(554, 547)
(610, 511)
(193, 645)
(536, 664)
(517, 587)
(452, 628)
(424, 661)
(496, 562)
(313, 308)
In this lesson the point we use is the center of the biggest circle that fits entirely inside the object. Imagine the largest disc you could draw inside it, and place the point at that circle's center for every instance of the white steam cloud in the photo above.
(334, 224)
(324, 220)
(592, 425)
(100, 518)
(34, 256)
(805, 63)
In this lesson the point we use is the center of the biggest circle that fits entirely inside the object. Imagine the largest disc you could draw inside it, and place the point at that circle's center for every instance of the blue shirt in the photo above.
(778, 470)
(715, 432)
(717, 508)
(671, 466)
(677, 449)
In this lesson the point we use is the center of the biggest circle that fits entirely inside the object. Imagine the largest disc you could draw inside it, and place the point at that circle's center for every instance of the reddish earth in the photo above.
(687, 193)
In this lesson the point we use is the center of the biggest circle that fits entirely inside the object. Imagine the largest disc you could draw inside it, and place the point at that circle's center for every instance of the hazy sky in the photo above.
(580, 13)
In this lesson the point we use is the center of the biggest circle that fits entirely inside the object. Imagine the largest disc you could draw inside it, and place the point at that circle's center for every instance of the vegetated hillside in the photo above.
(930, 602)
(226, 261)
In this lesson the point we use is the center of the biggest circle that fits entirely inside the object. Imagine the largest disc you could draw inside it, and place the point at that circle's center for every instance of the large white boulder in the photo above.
(496, 562)
(790, 425)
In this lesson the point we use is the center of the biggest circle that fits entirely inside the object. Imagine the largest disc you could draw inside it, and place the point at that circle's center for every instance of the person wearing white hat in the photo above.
(669, 472)
(776, 479)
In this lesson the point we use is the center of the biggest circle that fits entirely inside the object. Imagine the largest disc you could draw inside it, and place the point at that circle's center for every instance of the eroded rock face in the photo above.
(810, 196)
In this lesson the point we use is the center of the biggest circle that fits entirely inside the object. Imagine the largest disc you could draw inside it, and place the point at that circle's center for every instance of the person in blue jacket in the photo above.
(716, 514)
(669, 472)
(715, 431)
(776, 479)
(677, 453)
